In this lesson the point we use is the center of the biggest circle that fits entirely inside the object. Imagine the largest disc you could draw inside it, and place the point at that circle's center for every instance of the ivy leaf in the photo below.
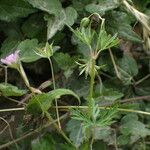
(74, 127)
(42, 102)
(44, 143)
(102, 6)
(10, 90)
(50, 6)
(119, 22)
(11, 10)
(27, 48)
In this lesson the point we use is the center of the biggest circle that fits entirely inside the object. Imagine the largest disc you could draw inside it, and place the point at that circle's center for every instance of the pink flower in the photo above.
(11, 59)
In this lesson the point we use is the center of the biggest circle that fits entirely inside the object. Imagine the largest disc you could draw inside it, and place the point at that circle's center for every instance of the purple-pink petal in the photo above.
(4, 61)
(10, 59)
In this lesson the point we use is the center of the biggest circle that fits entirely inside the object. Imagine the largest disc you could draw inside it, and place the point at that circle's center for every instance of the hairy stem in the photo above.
(66, 108)
(92, 75)
(6, 75)
(54, 87)
(114, 64)
(24, 77)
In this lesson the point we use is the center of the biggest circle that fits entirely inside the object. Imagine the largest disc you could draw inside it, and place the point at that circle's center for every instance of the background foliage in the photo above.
(124, 78)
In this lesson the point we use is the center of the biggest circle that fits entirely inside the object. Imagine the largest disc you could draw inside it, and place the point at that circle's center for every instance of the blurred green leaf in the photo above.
(66, 63)
(128, 68)
(123, 140)
(74, 127)
(102, 6)
(9, 46)
(55, 23)
(11, 10)
(44, 143)
(101, 133)
(129, 65)
(50, 6)
(107, 95)
(119, 22)
(131, 126)
(71, 16)
(11, 90)
(34, 26)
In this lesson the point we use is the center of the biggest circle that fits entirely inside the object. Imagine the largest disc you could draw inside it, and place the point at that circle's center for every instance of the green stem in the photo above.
(54, 87)
(90, 99)
(24, 76)
(6, 76)
(67, 108)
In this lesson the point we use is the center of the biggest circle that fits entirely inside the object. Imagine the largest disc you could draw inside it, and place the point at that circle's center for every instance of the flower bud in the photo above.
(84, 22)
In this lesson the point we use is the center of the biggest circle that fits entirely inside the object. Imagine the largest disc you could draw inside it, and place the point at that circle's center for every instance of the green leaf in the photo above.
(119, 22)
(13, 29)
(128, 68)
(9, 46)
(34, 26)
(78, 85)
(64, 61)
(50, 6)
(106, 41)
(141, 5)
(71, 15)
(27, 53)
(102, 6)
(55, 23)
(44, 143)
(85, 35)
(123, 140)
(11, 10)
(107, 95)
(74, 127)
(67, 147)
(60, 92)
(10, 90)
(143, 89)
(131, 126)
(39, 103)
(101, 133)
(42, 102)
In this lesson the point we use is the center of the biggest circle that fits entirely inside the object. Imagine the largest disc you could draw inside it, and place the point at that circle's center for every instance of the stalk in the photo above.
(24, 76)
(54, 87)
(92, 76)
